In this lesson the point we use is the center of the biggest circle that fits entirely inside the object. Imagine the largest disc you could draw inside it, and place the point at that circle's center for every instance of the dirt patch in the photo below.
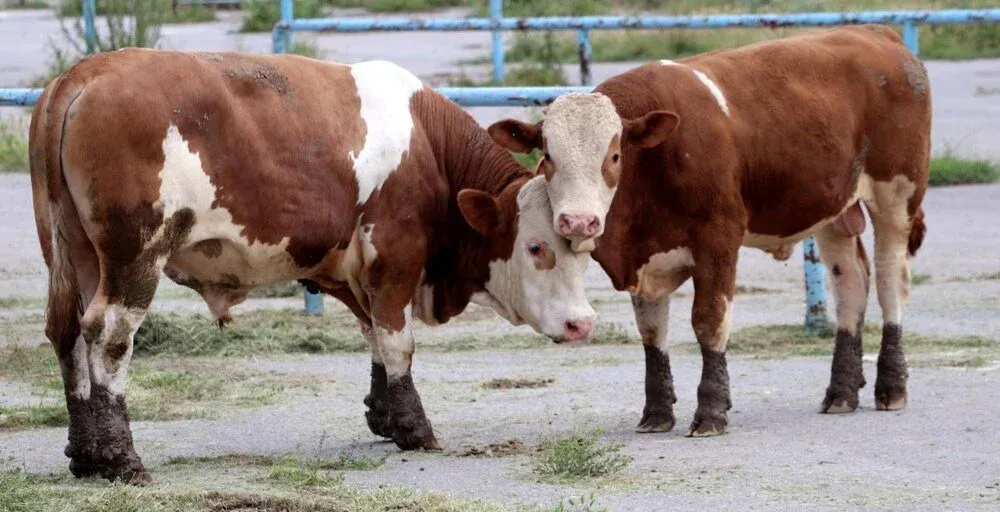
(521, 383)
(496, 450)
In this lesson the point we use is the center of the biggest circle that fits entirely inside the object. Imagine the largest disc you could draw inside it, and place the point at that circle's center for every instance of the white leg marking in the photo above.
(652, 318)
(722, 335)
(712, 86)
(81, 372)
(848, 274)
(116, 317)
(663, 273)
(892, 224)
(396, 348)
(385, 90)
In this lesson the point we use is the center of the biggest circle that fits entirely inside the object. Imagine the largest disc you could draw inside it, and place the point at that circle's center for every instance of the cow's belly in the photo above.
(848, 219)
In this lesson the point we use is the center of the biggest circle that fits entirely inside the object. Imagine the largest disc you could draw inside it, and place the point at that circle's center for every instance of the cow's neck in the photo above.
(469, 159)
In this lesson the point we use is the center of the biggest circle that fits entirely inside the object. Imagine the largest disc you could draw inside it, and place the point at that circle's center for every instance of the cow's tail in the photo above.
(57, 220)
(917, 231)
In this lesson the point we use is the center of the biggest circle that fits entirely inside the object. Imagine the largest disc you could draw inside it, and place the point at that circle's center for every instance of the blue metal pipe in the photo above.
(585, 51)
(506, 96)
(951, 16)
(281, 36)
(815, 274)
(90, 30)
(496, 13)
(19, 97)
(911, 37)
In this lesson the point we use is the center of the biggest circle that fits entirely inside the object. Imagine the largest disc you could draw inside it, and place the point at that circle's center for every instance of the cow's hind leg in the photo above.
(73, 282)
(109, 326)
(652, 318)
(844, 257)
(898, 234)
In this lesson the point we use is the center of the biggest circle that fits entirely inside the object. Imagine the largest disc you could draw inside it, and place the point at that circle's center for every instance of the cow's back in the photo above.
(792, 123)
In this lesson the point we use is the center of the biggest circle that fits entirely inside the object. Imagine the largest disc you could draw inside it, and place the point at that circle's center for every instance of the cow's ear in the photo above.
(517, 136)
(651, 129)
(481, 211)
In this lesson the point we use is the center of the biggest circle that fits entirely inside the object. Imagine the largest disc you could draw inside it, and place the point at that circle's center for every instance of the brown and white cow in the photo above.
(759, 146)
(227, 171)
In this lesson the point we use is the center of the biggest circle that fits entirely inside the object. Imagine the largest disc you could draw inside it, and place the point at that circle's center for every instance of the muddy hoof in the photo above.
(839, 401)
(890, 402)
(130, 472)
(708, 425)
(656, 422)
(413, 432)
(82, 467)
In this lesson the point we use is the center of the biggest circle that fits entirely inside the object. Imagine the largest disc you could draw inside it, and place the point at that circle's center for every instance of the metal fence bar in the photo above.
(585, 51)
(89, 30)
(911, 37)
(19, 97)
(496, 14)
(821, 19)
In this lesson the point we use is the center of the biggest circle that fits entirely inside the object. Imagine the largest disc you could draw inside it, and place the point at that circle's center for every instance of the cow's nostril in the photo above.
(593, 226)
(575, 330)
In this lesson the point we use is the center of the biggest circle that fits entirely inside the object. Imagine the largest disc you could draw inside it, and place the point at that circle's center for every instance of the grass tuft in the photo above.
(921, 279)
(952, 170)
(521, 383)
(579, 457)
(286, 289)
(13, 146)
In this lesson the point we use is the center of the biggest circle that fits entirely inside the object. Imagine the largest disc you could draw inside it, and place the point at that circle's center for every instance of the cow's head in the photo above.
(534, 277)
(582, 137)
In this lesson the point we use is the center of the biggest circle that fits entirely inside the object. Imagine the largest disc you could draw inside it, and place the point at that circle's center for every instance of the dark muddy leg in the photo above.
(377, 402)
(109, 325)
(890, 385)
(712, 316)
(845, 259)
(407, 422)
(652, 317)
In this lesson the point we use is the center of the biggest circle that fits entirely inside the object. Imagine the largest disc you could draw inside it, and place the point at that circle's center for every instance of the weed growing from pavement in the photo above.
(920, 279)
(949, 169)
(579, 457)
(13, 146)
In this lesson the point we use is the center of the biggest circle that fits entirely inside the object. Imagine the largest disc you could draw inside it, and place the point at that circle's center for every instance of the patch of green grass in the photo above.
(41, 415)
(593, 361)
(344, 462)
(793, 340)
(585, 503)
(921, 279)
(520, 383)
(13, 146)
(300, 473)
(286, 289)
(306, 49)
(952, 170)
(578, 457)
(158, 389)
(252, 332)
(25, 4)
(959, 42)
(21, 303)
(29, 493)
(261, 15)
(970, 363)
(191, 14)
(993, 276)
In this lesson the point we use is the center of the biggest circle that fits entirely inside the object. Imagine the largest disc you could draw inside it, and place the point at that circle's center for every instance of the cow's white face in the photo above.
(541, 283)
(581, 139)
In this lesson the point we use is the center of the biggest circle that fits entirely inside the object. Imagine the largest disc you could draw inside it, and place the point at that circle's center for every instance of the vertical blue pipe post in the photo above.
(496, 13)
(911, 37)
(282, 35)
(314, 303)
(90, 30)
(816, 320)
(585, 51)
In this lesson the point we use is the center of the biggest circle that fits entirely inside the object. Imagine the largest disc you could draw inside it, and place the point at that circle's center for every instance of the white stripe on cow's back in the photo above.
(385, 90)
(712, 86)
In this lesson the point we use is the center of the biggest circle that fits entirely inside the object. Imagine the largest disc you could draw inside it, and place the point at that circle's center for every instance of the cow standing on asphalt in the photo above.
(226, 172)
(758, 146)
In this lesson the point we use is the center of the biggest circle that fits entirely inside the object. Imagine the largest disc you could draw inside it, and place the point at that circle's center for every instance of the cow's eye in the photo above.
(615, 157)
(547, 157)
(534, 249)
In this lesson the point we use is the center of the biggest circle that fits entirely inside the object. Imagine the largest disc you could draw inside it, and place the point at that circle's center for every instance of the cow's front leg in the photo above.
(377, 399)
(406, 423)
(712, 315)
(651, 317)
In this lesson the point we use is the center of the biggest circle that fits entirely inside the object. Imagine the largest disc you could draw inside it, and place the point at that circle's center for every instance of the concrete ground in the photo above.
(940, 453)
